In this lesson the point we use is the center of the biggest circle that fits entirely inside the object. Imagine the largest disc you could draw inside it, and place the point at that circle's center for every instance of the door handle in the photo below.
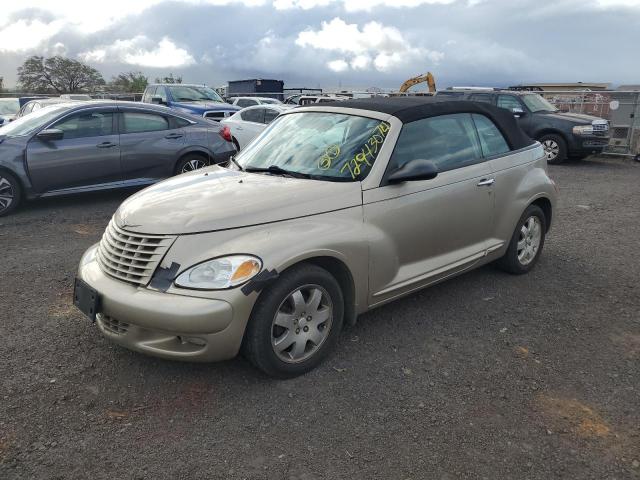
(485, 182)
(171, 136)
(107, 145)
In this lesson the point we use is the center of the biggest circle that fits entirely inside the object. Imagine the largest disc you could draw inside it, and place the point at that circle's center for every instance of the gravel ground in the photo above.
(485, 376)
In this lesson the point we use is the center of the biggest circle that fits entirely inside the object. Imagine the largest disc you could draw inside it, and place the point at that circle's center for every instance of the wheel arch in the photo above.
(552, 131)
(545, 205)
(21, 183)
(341, 272)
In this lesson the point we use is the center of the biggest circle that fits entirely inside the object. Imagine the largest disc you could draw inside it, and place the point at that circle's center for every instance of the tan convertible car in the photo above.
(330, 212)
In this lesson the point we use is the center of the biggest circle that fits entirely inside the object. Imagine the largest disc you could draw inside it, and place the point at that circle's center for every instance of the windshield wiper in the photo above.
(278, 171)
(235, 162)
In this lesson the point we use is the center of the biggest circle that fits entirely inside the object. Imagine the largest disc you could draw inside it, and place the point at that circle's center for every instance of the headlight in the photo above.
(220, 273)
(583, 130)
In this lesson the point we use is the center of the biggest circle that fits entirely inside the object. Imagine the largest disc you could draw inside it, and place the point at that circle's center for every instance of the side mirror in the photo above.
(517, 111)
(157, 100)
(414, 170)
(51, 134)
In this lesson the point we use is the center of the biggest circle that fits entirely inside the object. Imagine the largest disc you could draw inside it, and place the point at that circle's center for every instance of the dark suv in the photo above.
(561, 134)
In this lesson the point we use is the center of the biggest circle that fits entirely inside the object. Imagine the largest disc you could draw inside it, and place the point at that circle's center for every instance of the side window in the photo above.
(449, 141)
(180, 122)
(245, 102)
(480, 97)
(149, 94)
(86, 124)
(491, 140)
(162, 93)
(509, 102)
(136, 122)
(254, 115)
(270, 114)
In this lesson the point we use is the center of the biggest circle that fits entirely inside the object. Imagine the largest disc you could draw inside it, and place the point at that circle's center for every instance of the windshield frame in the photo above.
(216, 97)
(55, 110)
(373, 178)
(544, 101)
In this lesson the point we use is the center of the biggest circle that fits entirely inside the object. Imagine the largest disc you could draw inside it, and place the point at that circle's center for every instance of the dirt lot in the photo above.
(485, 376)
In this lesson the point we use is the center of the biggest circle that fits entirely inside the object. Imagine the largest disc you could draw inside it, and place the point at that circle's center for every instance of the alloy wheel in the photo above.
(7, 194)
(529, 240)
(302, 323)
(551, 149)
(193, 164)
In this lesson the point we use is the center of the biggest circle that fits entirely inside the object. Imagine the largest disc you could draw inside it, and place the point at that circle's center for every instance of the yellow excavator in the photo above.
(427, 77)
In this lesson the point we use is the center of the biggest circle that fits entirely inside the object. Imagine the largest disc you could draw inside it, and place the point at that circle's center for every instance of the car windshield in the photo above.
(184, 93)
(318, 145)
(9, 106)
(31, 122)
(536, 103)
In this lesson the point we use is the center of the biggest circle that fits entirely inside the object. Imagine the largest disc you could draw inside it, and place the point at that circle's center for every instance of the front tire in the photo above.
(555, 148)
(10, 193)
(526, 243)
(295, 323)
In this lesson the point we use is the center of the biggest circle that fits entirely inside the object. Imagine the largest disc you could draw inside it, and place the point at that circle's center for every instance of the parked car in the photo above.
(75, 96)
(249, 122)
(244, 102)
(82, 146)
(332, 211)
(9, 107)
(37, 104)
(197, 100)
(561, 134)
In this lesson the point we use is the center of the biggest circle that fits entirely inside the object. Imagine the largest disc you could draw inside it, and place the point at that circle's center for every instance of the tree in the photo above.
(169, 79)
(1, 84)
(130, 82)
(57, 74)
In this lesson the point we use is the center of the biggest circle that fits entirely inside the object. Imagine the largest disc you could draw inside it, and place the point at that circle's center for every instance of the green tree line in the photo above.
(57, 75)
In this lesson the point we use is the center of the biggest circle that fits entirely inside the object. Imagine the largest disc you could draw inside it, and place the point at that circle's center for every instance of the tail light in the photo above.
(226, 133)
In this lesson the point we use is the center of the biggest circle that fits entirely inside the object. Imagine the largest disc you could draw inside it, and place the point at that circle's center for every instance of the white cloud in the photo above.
(23, 35)
(386, 45)
(338, 65)
(136, 51)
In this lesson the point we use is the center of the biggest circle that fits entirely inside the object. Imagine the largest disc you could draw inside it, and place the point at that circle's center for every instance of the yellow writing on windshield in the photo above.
(368, 151)
(330, 154)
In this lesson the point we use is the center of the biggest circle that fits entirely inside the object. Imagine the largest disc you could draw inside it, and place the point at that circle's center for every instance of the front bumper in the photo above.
(164, 324)
(588, 144)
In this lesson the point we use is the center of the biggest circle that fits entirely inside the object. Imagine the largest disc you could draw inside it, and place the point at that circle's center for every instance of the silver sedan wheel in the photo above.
(551, 149)
(302, 323)
(7, 194)
(193, 164)
(529, 240)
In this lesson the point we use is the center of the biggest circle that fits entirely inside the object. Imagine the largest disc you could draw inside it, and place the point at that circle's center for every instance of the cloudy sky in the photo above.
(332, 43)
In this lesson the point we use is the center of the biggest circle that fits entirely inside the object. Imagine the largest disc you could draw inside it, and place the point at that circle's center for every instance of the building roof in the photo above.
(409, 109)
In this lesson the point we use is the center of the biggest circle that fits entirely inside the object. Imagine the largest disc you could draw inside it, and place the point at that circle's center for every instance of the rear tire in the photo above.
(191, 162)
(555, 148)
(526, 242)
(295, 323)
(10, 193)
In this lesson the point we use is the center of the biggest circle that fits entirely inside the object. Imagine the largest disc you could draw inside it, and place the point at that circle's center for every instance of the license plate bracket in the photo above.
(86, 299)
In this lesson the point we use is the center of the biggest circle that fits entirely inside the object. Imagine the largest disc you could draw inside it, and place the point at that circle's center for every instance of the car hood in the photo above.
(206, 106)
(216, 198)
(577, 118)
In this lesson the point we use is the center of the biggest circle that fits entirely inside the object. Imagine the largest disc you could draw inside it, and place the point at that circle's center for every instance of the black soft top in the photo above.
(409, 109)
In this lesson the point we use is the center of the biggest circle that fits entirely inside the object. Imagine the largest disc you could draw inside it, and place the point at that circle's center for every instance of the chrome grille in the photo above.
(600, 128)
(131, 257)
